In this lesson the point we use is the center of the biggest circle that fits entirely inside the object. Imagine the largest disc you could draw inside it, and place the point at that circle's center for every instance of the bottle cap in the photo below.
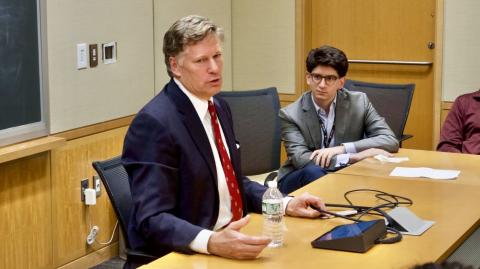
(272, 184)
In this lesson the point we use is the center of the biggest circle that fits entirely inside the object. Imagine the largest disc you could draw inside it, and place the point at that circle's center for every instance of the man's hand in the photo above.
(300, 206)
(356, 157)
(323, 156)
(231, 243)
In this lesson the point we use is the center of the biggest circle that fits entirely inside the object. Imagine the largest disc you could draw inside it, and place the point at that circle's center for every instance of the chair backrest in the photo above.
(115, 179)
(257, 128)
(392, 101)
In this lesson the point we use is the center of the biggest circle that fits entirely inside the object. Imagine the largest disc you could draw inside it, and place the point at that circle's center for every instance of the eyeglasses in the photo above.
(329, 79)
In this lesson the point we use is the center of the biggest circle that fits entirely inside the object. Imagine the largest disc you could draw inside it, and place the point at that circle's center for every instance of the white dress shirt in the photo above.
(329, 120)
(200, 243)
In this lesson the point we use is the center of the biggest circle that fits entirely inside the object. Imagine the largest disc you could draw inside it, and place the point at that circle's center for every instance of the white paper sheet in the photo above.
(424, 172)
(411, 223)
(385, 159)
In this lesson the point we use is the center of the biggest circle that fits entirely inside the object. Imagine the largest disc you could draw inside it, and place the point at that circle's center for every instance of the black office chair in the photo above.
(392, 101)
(257, 128)
(115, 179)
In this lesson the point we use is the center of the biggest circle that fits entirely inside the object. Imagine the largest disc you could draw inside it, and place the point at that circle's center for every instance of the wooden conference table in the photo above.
(468, 164)
(452, 206)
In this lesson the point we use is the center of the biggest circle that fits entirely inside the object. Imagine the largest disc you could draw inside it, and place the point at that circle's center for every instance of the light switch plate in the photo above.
(82, 58)
(93, 53)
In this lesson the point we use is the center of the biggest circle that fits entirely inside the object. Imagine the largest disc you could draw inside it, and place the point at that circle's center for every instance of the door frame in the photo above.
(303, 40)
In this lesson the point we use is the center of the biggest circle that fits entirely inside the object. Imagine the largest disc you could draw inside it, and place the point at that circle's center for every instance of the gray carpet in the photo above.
(114, 263)
(469, 252)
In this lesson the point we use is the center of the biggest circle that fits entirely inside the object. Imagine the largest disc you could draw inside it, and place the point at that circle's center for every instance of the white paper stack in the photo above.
(424, 172)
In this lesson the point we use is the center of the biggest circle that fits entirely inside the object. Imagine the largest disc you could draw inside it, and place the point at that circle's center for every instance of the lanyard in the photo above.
(326, 141)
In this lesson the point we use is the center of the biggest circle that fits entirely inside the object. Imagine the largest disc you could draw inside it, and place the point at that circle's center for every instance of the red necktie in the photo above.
(235, 198)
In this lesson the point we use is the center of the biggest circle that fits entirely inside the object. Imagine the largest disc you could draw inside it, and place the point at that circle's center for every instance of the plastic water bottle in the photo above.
(272, 211)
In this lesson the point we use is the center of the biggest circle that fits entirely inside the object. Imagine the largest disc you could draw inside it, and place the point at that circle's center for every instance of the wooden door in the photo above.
(393, 30)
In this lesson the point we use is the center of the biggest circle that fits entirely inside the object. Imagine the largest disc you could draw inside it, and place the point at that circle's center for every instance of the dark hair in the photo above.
(443, 265)
(187, 31)
(328, 56)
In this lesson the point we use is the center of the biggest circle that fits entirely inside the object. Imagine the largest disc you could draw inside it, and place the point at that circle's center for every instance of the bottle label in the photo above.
(271, 208)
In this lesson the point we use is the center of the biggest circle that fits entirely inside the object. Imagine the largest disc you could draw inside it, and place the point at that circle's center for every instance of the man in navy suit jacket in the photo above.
(180, 199)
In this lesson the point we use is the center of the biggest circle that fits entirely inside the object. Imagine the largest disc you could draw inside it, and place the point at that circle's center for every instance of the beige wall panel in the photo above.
(263, 44)
(461, 56)
(108, 91)
(25, 207)
(166, 12)
(70, 164)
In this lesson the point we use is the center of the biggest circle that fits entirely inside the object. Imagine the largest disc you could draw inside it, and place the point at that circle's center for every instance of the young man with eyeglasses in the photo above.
(329, 126)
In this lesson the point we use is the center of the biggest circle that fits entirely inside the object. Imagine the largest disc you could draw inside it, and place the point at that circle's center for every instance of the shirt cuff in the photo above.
(349, 148)
(200, 243)
(286, 200)
(342, 159)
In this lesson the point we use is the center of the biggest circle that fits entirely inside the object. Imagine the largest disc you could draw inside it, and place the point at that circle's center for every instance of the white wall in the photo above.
(82, 97)
(259, 51)
(263, 44)
(461, 55)
(168, 11)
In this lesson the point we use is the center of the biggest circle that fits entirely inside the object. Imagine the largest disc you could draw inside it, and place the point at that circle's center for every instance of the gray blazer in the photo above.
(355, 121)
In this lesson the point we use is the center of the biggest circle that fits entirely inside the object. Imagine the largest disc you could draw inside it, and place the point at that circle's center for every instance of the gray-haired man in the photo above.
(188, 191)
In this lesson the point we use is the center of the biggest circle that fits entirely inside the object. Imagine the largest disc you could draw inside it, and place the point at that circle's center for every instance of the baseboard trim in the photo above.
(93, 258)
(95, 128)
(447, 105)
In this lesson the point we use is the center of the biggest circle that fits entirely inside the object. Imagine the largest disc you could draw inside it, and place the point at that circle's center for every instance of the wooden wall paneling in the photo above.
(109, 146)
(70, 164)
(446, 106)
(94, 258)
(303, 34)
(28, 148)
(438, 70)
(96, 128)
(25, 207)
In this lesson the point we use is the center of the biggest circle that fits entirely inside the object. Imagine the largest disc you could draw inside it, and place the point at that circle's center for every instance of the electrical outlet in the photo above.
(97, 185)
(92, 235)
(109, 52)
(83, 187)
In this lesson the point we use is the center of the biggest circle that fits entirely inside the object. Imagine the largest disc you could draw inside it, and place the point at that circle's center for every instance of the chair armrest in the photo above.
(405, 137)
(270, 177)
(139, 256)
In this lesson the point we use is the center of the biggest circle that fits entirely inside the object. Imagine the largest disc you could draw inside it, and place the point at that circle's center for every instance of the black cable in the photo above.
(363, 210)
(392, 201)
(333, 214)
(391, 240)
(380, 195)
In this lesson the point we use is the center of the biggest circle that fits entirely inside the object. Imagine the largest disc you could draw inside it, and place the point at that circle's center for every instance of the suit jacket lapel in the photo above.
(226, 128)
(231, 143)
(311, 119)
(341, 121)
(193, 124)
